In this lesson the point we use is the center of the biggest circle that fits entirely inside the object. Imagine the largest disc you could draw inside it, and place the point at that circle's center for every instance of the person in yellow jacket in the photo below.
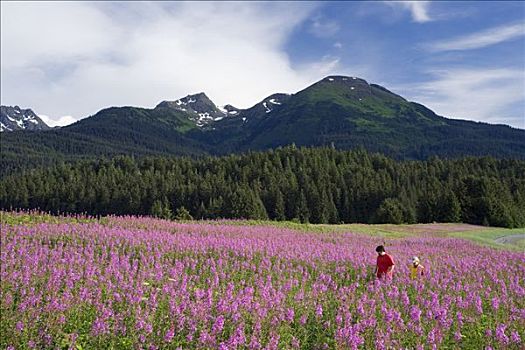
(416, 269)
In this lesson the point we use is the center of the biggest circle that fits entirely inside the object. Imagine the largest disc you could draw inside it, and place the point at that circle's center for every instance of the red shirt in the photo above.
(383, 263)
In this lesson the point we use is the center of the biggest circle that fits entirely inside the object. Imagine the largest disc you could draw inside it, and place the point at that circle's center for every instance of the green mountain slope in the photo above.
(349, 112)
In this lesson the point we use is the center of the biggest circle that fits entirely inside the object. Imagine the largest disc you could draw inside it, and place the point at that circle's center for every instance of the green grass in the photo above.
(381, 230)
(371, 125)
(11, 218)
(488, 235)
(478, 234)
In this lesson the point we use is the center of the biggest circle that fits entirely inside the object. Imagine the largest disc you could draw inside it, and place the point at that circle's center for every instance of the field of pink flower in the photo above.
(144, 283)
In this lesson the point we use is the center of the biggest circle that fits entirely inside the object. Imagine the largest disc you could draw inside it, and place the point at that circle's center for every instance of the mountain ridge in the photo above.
(338, 111)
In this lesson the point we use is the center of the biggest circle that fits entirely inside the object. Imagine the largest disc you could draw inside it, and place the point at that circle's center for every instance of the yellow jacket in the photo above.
(416, 270)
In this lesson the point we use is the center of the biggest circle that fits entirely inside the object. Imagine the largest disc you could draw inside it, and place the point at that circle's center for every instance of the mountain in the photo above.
(348, 112)
(15, 118)
(338, 111)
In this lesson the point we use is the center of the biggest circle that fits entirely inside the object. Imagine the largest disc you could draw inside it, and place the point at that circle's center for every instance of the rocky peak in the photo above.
(16, 118)
(199, 107)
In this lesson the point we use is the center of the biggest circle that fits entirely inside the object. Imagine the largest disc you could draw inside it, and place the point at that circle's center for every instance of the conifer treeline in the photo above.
(320, 185)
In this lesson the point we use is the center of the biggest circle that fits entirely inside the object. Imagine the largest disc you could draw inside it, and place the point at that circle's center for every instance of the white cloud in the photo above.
(418, 9)
(473, 94)
(60, 121)
(50, 32)
(338, 45)
(67, 58)
(323, 28)
(480, 39)
(326, 66)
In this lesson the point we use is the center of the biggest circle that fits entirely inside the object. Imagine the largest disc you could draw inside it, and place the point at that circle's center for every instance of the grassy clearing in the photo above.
(386, 231)
(382, 230)
(488, 235)
(478, 234)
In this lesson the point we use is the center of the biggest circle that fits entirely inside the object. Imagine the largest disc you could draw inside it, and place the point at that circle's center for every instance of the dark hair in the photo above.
(380, 249)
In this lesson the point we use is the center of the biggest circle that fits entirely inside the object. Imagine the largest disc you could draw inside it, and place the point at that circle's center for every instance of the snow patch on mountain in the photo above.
(4, 127)
(222, 109)
(268, 109)
(15, 118)
(200, 109)
(204, 113)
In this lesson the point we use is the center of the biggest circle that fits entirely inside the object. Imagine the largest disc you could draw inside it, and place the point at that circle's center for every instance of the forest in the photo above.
(315, 185)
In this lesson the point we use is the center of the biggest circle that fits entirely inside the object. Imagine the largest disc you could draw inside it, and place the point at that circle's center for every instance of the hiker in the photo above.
(416, 269)
(385, 263)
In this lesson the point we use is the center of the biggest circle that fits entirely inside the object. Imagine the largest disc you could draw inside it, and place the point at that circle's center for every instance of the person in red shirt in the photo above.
(385, 263)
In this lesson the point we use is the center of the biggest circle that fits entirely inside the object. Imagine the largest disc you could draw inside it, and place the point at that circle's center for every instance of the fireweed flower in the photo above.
(290, 315)
(219, 325)
(303, 320)
(515, 337)
(149, 282)
(319, 310)
(495, 303)
(415, 313)
(169, 335)
(500, 334)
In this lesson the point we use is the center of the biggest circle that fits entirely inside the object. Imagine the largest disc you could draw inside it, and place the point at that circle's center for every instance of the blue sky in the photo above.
(68, 60)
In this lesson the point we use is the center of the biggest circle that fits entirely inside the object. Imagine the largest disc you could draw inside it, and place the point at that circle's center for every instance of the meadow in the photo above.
(128, 283)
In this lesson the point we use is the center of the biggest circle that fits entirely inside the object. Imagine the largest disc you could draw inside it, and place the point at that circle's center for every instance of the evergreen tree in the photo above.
(156, 209)
(452, 212)
(302, 209)
(279, 210)
(161, 209)
(183, 214)
(390, 211)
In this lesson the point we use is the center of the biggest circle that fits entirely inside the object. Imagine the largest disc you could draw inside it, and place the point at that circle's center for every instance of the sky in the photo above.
(68, 60)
